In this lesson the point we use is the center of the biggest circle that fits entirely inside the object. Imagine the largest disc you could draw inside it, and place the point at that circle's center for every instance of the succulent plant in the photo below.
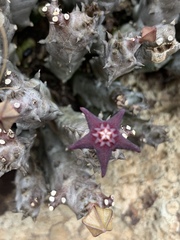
(22, 10)
(78, 65)
(14, 151)
(68, 175)
(117, 58)
(155, 11)
(31, 99)
(163, 46)
(31, 188)
(71, 36)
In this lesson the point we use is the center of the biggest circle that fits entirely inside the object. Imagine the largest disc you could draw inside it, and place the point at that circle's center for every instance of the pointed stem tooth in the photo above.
(44, 9)
(126, 103)
(15, 28)
(51, 199)
(124, 135)
(128, 127)
(51, 208)
(32, 204)
(133, 132)
(112, 204)
(56, 11)
(7, 81)
(17, 105)
(66, 16)
(63, 200)
(170, 38)
(8, 72)
(159, 41)
(10, 133)
(173, 22)
(53, 193)
(55, 19)
(2, 142)
(106, 202)
(3, 160)
(88, 49)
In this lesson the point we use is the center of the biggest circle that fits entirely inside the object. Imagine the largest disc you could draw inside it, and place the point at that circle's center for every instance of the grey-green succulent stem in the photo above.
(5, 50)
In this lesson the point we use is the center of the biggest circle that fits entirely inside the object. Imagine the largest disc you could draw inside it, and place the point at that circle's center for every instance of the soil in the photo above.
(145, 186)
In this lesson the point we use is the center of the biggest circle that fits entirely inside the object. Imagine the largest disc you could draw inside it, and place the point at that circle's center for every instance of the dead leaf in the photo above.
(8, 115)
(148, 34)
(98, 220)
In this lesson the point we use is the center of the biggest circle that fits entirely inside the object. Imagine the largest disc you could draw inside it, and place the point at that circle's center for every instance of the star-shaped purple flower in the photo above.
(104, 137)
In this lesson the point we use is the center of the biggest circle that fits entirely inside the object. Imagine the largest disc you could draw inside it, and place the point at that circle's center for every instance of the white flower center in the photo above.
(105, 135)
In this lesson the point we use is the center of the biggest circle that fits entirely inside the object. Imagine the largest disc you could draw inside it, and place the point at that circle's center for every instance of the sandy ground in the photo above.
(145, 187)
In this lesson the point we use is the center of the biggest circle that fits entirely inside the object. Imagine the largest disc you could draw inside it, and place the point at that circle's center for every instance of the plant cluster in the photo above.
(58, 58)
